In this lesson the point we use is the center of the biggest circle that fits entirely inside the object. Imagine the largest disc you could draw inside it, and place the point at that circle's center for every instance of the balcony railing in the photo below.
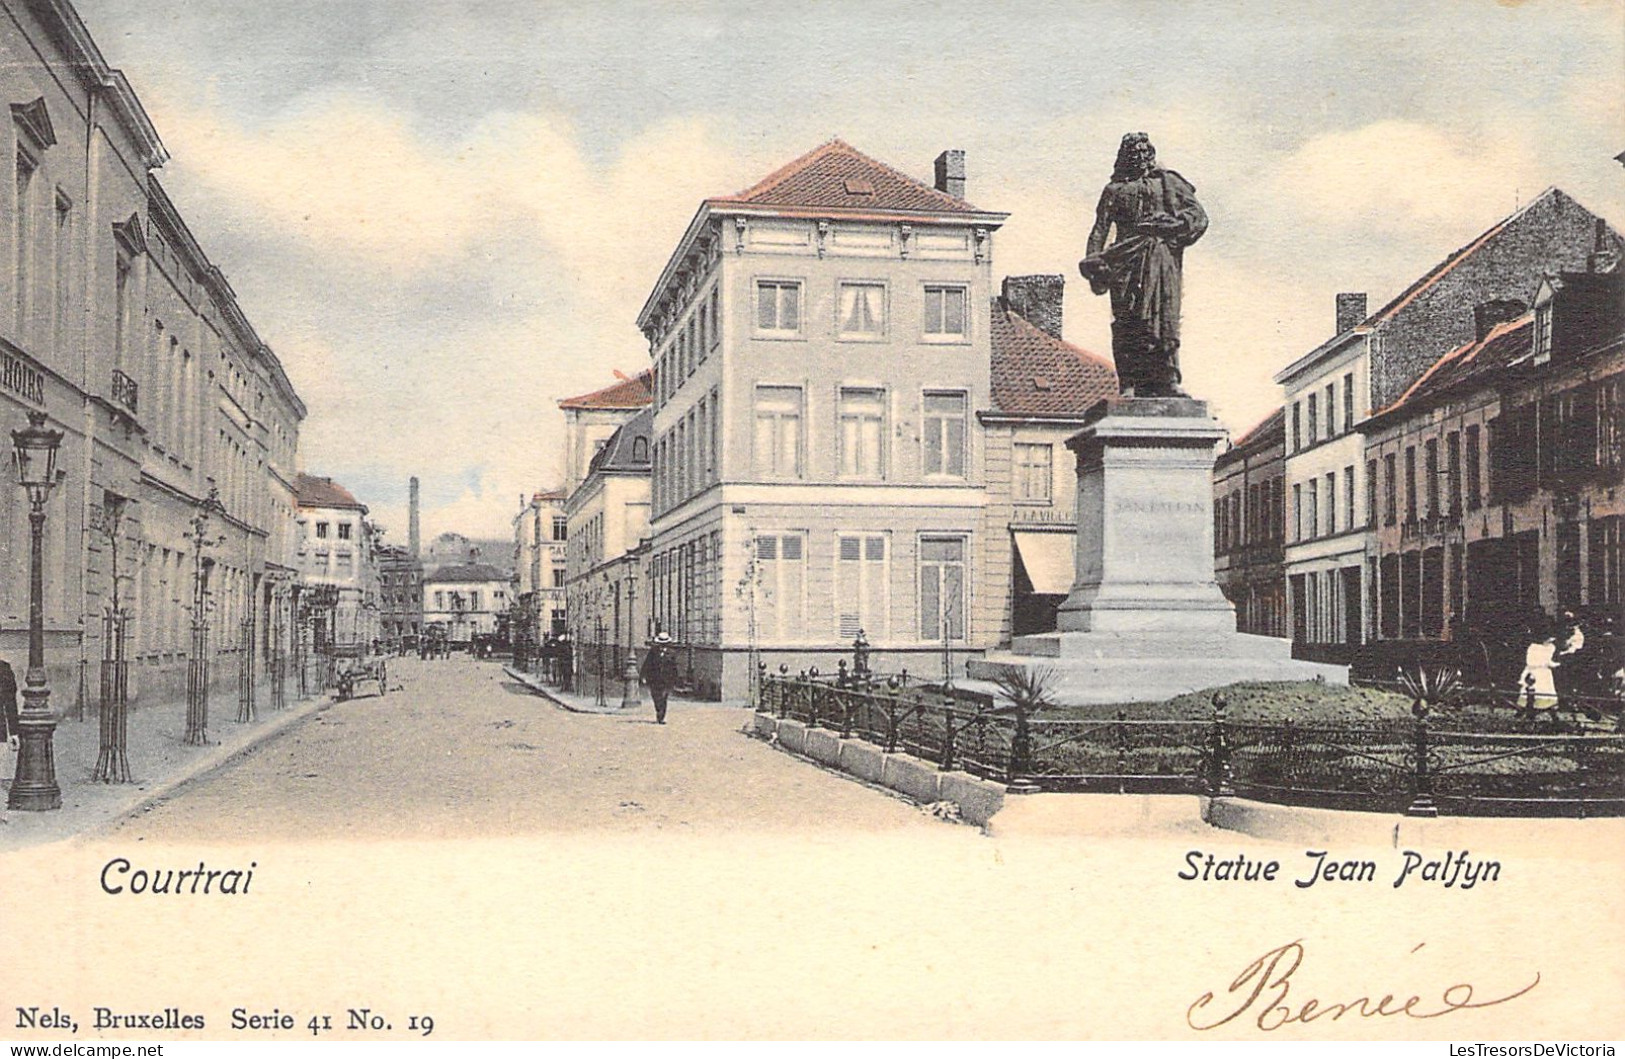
(125, 391)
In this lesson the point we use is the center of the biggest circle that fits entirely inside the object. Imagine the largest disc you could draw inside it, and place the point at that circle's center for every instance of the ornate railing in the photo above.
(1420, 765)
(125, 390)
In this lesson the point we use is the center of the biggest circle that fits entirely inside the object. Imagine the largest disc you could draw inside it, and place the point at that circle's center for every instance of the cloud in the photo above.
(1402, 178)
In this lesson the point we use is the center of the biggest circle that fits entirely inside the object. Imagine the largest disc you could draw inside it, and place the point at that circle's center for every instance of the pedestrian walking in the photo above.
(660, 673)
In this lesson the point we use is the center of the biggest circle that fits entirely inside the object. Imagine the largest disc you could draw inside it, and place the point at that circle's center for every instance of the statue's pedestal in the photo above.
(1145, 619)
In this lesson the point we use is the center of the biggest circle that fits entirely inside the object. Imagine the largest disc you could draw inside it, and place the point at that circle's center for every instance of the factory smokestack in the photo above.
(412, 520)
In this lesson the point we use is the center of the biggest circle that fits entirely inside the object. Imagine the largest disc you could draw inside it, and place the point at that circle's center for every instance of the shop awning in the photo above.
(1049, 560)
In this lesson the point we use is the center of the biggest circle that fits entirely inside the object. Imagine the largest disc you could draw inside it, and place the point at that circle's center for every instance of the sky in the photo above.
(444, 215)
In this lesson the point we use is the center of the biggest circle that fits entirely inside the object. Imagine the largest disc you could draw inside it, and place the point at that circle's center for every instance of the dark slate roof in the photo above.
(465, 572)
(621, 451)
(838, 176)
(1037, 374)
(631, 392)
(311, 491)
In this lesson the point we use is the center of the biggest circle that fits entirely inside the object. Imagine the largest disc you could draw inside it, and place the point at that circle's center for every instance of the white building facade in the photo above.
(821, 346)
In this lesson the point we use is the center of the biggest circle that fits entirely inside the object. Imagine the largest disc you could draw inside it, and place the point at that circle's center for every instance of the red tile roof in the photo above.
(1270, 429)
(633, 392)
(1504, 344)
(838, 176)
(311, 491)
(1037, 374)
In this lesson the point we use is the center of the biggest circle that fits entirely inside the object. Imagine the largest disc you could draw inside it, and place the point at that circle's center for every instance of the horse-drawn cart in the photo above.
(353, 669)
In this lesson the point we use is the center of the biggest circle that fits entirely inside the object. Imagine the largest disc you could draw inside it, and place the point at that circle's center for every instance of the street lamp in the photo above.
(630, 700)
(34, 787)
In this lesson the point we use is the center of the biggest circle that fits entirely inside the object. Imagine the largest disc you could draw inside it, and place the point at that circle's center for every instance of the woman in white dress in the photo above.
(1539, 688)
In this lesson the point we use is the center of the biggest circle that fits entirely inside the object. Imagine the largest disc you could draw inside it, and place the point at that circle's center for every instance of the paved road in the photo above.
(461, 750)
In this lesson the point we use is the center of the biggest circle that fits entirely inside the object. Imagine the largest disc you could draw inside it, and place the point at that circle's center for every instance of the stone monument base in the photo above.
(1091, 668)
(1146, 619)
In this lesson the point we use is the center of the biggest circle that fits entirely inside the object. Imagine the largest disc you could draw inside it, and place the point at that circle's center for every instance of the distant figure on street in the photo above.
(564, 660)
(660, 673)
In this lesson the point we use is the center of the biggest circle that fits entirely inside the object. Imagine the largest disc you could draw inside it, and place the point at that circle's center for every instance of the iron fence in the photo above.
(1421, 765)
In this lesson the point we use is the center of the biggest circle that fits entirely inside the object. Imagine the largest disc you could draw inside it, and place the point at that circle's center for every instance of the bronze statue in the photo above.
(1157, 216)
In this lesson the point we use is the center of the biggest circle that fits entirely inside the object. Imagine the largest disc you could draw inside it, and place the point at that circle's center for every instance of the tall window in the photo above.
(1297, 425)
(344, 531)
(1348, 401)
(61, 258)
(1348, 497)
(942, 588)
(1370, 492)
(1410, 483)
(778, 306)
(716, 319)
(944, 438)
(1331, 409)
(1297, 511)
(1430, 468)
(1610, 424)
(862, 433)
(1331, 502)
(24, 229)
(1390, 491)
(121, 310)
(561, 528)
(1452, 466)
(1311, 519)
(781, 584)
(860, 586)
(862, 310)
(1313, 421)
(1034, 471)
(945, 312)
(778, 432)
(1543, 333)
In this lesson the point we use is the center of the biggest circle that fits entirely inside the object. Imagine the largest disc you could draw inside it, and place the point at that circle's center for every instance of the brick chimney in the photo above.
(951, 173)
(412, 518)
(1604, 258)
(1495, 311)
(1350, 311)
(1038, 299)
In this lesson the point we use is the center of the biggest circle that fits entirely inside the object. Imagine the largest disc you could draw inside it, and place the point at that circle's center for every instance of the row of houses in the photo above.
(1448, 465)
(180, 429)
(848, 428)
(182, 525)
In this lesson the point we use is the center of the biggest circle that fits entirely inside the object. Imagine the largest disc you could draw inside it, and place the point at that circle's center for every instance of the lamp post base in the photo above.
(34, 788)
(630, 699)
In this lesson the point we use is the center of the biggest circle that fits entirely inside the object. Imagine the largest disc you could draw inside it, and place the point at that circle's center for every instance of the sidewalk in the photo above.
(585, 700)
(159, 763)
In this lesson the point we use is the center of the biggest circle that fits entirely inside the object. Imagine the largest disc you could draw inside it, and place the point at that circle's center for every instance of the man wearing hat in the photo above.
(660, 673)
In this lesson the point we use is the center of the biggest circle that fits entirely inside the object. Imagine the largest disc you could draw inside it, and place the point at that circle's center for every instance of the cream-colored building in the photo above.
(608, 525)
(821, 347)
(590, 419)
(466, 599)
(338, 567)
(540, 536)
(116, 325)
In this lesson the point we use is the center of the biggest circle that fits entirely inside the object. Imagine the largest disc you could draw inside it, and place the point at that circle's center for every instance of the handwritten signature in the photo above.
(1264, 985)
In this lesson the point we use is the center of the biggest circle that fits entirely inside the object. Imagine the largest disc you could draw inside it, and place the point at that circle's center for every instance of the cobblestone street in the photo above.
(460, 750)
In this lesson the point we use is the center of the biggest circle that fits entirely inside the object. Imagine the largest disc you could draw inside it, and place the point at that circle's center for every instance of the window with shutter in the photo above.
(861, 586)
